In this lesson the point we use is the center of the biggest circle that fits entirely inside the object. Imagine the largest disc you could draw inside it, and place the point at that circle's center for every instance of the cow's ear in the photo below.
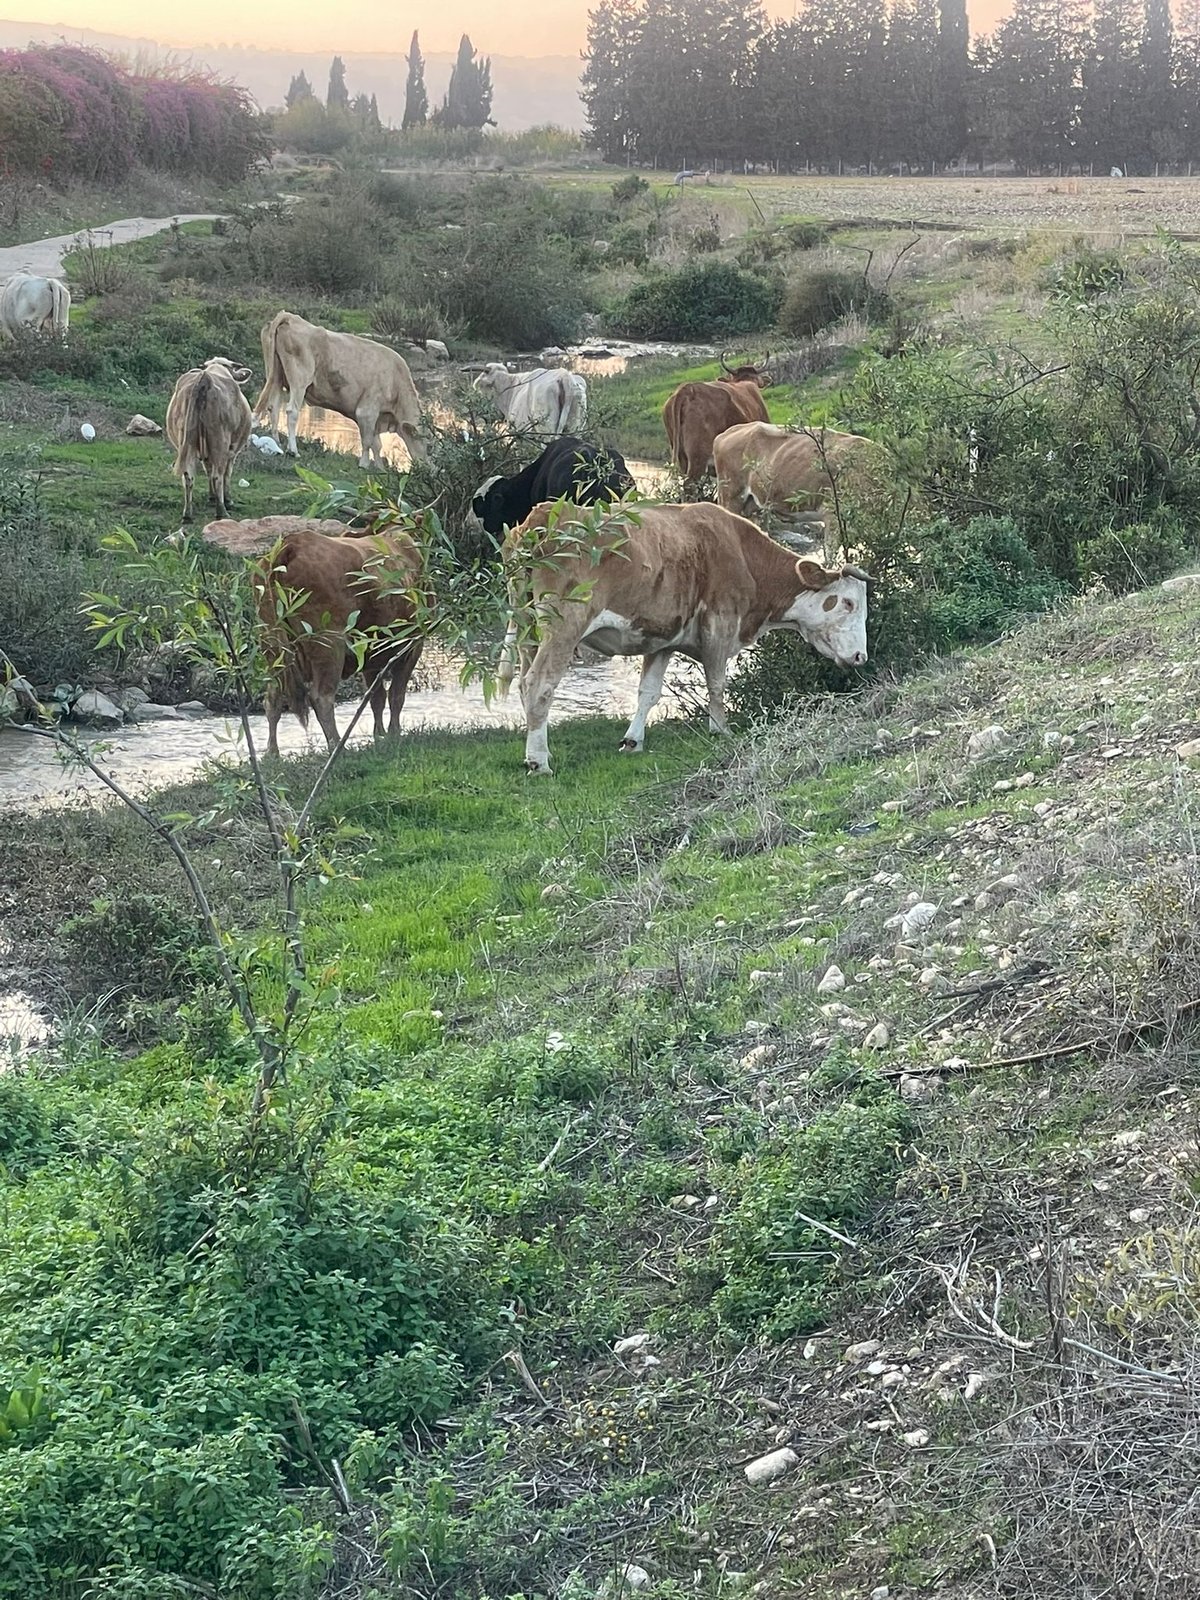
(812, 574)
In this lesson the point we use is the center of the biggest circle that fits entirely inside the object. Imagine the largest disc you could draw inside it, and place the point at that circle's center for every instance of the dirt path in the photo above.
(44, 257)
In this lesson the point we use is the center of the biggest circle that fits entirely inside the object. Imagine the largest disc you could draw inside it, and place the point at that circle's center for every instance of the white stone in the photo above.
(975, 1382)
(769, 1467)
(917, 918)
(96, 710)
(860, 1352)
(149, 712)
(833, 980)
(437, 349)
(879, 1038)
(1188, 751)
(917, 1438)
(758, 1057)
(634, 1343)
(142, 427)
(987, 742)
(1185, 580)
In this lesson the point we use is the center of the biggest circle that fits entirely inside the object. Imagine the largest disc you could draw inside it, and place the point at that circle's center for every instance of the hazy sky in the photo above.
(500, 27)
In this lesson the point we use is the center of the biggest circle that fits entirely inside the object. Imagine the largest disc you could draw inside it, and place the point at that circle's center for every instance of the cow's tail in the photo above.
(60, 303)
(273, 380)
(193, 436)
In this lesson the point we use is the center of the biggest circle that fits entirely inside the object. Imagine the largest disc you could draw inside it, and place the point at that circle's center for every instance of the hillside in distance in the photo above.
(529, 90)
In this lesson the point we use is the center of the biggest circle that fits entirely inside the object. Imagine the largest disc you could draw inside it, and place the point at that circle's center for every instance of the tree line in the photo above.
(877, 85)
(467, 102)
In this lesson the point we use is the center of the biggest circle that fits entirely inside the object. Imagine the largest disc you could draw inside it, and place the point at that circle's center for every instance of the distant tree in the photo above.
(611, 39)
(1038, 81)
(1112, 86)
(468, 102)
(299, 89)
(337, 97)
(914, 126)
(1186, 79)
(1159, 107)
(416, 97)
(953, 77)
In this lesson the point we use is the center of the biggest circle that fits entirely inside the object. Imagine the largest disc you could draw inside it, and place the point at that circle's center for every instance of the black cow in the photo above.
(567, 469)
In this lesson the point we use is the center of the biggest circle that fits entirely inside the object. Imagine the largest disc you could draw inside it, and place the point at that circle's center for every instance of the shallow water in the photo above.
(155, 754)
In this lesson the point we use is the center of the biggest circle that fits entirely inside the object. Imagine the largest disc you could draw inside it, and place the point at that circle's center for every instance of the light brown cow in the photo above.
(764, 468)
(691, 578)
(697, 413)
(208, 422)
(316, 579)
(358, 378)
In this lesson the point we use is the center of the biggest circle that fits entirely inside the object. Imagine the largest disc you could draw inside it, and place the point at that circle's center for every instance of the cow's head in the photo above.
(493, 371)
(748, 372)
(491, 505)
(830, 610)
(240, 375)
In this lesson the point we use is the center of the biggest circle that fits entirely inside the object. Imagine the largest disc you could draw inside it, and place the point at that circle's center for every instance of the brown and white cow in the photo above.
(356, 377)
(696, 414)
(764, 468)
(208, 422)
(315, 579)
(692, 578)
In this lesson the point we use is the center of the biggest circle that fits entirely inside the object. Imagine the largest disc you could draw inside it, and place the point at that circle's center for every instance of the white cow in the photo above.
(42, 304)
(547, 401)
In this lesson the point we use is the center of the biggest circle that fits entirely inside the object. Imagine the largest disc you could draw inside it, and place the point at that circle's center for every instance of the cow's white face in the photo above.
(833, 618)
(487, 378)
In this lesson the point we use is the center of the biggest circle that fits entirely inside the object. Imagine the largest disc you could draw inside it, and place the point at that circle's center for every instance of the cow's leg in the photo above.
(376, 677)
(293, 417)
(367, 418)
(402, 671)
(273, 706)
(187, 478)
(538, 688)
(716, 670)
(654, 670)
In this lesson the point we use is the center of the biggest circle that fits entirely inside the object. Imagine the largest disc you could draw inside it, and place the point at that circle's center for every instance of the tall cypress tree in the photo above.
(1112, 85)
(299, 89)
(1037, 79)
(337, 97)
(416, 97)
(953, 77)
(468, 102)
(1186, 79)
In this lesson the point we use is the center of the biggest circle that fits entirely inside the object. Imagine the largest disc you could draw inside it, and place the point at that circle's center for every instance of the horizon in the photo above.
(533, 28)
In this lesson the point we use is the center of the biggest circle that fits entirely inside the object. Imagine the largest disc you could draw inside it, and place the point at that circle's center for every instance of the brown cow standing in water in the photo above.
(318, 577)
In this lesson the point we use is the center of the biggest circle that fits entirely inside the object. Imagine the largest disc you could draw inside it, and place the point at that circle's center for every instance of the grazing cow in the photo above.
(41, 304)
(697, 413)
(765, 468)
(208, 423)
(567, 469)
(315, 580)
(692, 578)
(358, 378)
(546, 401)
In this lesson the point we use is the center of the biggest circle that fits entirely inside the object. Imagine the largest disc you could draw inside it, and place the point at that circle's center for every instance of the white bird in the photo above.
(88, 432)
(265, 445)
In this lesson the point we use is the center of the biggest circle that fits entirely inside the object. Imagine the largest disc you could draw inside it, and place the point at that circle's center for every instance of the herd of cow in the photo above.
(650, 580)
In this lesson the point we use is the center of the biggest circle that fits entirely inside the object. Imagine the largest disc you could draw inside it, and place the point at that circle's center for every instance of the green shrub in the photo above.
(818, 298)
(937, 587)
(628, 188)
(703, 300)
(1141, 554)
(45, 574)
(805, 235)
(769, 1271)
(629, 244)
(333, 246)
(394, 320)
(137, 944)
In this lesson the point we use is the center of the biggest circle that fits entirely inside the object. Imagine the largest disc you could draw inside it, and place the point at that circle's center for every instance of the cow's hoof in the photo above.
(534, 770)
(627, 747)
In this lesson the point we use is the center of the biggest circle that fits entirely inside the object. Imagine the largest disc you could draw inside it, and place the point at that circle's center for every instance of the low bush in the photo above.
(703, 300)
(821, 297)
(629, 188)
(394, 320)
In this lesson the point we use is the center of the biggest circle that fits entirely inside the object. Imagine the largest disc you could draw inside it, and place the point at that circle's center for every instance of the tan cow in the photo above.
(691, 578)
(696, 414)
(208, 423)
(764, 468)
(358, 378)
(316, 579)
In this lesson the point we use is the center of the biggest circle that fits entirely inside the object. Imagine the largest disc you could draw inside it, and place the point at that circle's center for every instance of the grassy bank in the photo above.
(933, 1230)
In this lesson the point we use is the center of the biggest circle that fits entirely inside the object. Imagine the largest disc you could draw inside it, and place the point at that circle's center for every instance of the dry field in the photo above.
(1110, 205)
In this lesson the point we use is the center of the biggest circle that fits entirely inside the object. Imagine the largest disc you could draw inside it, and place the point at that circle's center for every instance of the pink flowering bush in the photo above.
(80, 114)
